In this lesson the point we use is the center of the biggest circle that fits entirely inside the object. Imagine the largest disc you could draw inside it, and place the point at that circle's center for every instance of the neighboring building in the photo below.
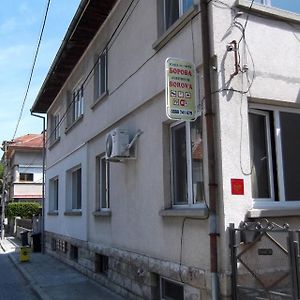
(142, 225)
(25, 168)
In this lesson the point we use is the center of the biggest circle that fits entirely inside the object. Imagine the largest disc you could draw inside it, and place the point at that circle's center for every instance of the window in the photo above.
(54, 128)
(101, 263)
(76, 188)
(75, 104)
(74, 253)
(288, 5)
(102, 184)
(101, 76)
(173, 9)
(26, 177)
(53, 194)
(171, 290)
(187, 163)
(275, 148)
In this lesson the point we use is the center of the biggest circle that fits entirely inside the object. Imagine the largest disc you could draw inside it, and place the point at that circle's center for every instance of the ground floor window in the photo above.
(274, 149)
(187, 163)
(171, 290)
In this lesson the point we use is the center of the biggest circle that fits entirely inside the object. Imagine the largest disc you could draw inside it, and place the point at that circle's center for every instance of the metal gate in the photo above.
(264, 261)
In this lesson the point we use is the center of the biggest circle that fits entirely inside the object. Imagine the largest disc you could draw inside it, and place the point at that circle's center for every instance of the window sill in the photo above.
(53, 143)
(71, 126)
(102, 213)
(269, 11)
(198, 213)
(274, 212)
(52, 213)
(73, 213)
(99, 100)
(175, 28)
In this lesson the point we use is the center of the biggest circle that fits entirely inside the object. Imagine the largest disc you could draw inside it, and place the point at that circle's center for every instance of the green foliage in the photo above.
(1, 170)
(22, 209)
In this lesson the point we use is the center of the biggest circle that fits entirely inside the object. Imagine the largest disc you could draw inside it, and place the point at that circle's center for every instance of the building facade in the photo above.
(25, 168)
(143, 224)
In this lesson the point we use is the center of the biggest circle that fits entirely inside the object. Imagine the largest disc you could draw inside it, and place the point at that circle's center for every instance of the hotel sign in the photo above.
(180, 89)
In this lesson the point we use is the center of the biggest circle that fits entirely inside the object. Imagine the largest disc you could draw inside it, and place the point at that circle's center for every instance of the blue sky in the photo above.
(20, 25)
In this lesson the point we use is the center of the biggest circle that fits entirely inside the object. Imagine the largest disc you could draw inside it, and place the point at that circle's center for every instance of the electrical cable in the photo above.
(32, 68)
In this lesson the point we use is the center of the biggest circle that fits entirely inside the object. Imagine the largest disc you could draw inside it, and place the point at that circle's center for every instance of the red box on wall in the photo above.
(237, 186)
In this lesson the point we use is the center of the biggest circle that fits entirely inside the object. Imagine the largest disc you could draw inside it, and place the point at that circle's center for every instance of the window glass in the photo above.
(76, 189)
(290, 128)
(288, 5)
(171, 12)
(171, 290)
(179, 164)
(103, 183)
(259, 156)
(186, 4)
(102, 74)
(53, 186)
(197, 162)
(26, 176)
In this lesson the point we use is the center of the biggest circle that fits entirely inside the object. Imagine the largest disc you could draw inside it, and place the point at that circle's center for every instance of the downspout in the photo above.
(43, 181)
(212, 176)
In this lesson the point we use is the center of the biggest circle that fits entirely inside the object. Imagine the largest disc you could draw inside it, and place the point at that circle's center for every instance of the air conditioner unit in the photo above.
(117, 142)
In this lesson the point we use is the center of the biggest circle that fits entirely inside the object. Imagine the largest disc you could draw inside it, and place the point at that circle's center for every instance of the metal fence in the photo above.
(264, 260)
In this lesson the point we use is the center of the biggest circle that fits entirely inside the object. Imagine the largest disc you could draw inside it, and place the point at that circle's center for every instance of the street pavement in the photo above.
(51, 279)
(13, 285)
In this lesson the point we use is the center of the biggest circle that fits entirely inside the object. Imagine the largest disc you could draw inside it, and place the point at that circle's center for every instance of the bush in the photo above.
(22, 209)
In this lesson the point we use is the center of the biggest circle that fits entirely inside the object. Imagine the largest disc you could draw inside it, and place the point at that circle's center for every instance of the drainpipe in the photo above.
(43, 181)
(212, 176)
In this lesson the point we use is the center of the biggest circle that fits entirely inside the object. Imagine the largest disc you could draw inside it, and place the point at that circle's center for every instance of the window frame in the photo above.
(102, 183)
(100, 91)
(190, 201)
(181, 12)
(75, 105)
(21, 174)
(53, 194)
(54, 127)
(161, 285)
(73, 186)
(278, 173)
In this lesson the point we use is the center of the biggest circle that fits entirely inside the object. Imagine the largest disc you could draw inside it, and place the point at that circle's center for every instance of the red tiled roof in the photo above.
(28, 141)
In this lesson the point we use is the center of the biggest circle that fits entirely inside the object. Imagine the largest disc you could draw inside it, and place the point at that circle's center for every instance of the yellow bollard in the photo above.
(24, 254)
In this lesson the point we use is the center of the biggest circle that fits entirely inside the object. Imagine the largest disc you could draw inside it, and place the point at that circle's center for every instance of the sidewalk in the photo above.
(52, 279)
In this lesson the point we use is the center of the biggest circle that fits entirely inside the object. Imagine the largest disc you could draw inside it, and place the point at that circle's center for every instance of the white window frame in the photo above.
(99, 90)
(71, 190)
(282, 202)
(102, 183)
(190, 201)
(53, 194)
(54, 127)
(75, 104)
(181, 12)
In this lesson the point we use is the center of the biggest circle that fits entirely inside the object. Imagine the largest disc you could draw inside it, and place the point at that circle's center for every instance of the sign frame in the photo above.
(180, 89)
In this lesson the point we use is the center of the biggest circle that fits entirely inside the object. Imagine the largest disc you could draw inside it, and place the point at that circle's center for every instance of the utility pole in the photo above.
(4, 184)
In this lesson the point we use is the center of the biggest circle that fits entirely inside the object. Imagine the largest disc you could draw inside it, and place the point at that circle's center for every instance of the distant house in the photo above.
(155, 225)
(25, 168)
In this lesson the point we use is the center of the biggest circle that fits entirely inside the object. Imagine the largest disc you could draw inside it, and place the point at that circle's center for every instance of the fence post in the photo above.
(293, 259)
(232, 242)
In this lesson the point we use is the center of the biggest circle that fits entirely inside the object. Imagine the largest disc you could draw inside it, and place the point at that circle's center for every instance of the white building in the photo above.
(25, 168)
(154, 225)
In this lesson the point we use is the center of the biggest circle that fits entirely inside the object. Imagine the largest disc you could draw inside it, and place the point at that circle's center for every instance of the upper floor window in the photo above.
(54, 128)
(174, 9)
(101, 76)
(75, 104)
(187, 163)
(26, 177)
(275, 148)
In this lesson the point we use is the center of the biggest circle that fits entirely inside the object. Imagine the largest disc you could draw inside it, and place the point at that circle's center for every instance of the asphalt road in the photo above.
(12, 284)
